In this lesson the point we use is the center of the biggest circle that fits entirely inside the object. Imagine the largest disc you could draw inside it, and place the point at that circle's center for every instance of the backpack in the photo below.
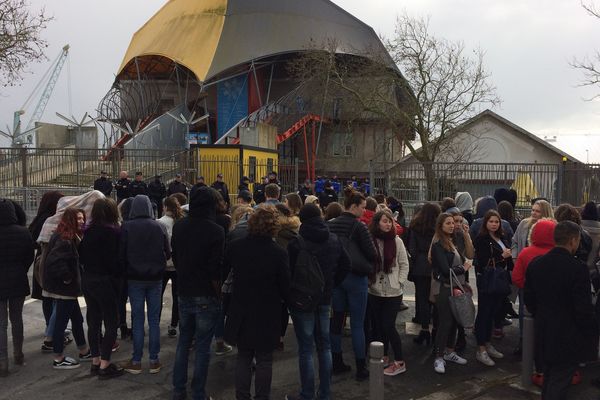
(307, 283)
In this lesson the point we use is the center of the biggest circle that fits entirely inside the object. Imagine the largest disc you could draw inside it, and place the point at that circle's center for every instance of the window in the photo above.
(269, 165)
(342, 144)
(252, 168)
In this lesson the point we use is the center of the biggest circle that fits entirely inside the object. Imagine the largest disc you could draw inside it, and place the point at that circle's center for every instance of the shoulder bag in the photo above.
(461, 303)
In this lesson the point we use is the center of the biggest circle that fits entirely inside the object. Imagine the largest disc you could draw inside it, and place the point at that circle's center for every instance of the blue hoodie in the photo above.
(144, 248)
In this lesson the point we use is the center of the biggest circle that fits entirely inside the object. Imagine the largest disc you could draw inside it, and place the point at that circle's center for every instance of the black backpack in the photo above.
(308, 283)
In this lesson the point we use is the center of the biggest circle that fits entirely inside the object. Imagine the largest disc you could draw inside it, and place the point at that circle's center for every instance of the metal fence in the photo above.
(417, 182)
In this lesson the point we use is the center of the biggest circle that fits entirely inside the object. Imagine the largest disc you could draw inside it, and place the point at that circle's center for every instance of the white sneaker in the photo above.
(492, 352)
(484, 358)
(455, 358)
(439, 365)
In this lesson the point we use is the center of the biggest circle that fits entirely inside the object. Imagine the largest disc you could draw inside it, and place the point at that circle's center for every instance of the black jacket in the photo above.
(16, 253)
(104, 185)
(557, 293)
(157, 191)
(261, 282)
(304, 192)
(259, 194)
(144, 248)
(221, 187)
(99, 251)
(198, 243)
(442, 261)
(327, 196)
(138, 187)
(61, 272)
(333, 259)
(177, 187)
(122, 188)
(489, 252)
(342, 227)
(418, 248)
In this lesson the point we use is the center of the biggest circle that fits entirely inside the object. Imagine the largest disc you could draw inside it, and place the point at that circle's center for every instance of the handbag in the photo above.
(493, 279)
(360, 265)
(461, 303)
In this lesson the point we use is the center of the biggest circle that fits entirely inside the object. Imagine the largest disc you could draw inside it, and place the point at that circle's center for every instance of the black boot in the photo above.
(362, 373)
(338, 366)
(424, 336)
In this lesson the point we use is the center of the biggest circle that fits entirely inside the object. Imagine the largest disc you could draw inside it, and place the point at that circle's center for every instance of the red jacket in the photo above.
(542, 241)
(368, 216)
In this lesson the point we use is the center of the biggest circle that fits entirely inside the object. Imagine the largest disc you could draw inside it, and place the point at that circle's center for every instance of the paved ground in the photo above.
(38, 380)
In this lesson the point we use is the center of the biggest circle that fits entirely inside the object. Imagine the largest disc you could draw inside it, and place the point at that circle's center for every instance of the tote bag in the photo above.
(461, 303)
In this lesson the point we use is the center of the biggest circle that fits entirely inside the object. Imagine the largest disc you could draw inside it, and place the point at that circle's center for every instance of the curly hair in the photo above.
(68, 227)
(264, 221)
(238, 212)
(566, 212)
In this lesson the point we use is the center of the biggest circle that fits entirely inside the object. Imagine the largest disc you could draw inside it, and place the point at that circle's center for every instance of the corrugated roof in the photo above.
(211, 36)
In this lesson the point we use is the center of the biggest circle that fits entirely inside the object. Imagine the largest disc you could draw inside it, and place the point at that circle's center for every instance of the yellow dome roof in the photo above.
(211, 36)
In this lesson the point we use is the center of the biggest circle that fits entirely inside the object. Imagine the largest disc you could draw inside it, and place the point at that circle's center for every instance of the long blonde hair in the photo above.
(547, 212)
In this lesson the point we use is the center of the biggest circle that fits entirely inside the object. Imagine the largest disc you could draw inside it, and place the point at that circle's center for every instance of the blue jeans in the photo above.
(197, 320)
(145, 294)
(351, 295)
(313, 328)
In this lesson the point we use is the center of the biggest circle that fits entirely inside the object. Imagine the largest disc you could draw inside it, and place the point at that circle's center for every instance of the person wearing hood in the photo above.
(591, 224)
(16, 253)
(386, 288)
(313, 327)
(289, 225)
(464, 202)
(144, 250)
(483, 206)
(198, 243)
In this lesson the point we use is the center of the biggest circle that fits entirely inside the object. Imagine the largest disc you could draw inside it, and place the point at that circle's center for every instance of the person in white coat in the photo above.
(386, 288)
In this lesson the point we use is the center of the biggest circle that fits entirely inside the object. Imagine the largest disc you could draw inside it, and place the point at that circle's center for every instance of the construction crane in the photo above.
(50, 77)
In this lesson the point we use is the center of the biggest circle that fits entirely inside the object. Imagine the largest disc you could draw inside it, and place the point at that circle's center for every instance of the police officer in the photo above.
(157, 192)
(138, 186)
(103, 184)
(122, 186)
(177, 186)
(221, 187)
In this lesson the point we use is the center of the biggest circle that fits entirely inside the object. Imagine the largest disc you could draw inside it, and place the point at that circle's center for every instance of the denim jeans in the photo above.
(197, 320)
(350, 294)
(145, 294)
(65, 310)
(51, 321)
(313, 327)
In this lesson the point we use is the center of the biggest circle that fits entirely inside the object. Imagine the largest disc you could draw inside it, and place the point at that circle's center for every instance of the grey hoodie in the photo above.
(144, 248)
(464, 201)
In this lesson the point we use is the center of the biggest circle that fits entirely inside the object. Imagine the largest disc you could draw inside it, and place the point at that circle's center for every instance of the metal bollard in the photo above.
(528, 350)
(376, 371)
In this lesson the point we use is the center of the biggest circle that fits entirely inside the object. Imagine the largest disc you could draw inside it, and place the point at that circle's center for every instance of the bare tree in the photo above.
(20, 39)
(436, 87)
(589, 65)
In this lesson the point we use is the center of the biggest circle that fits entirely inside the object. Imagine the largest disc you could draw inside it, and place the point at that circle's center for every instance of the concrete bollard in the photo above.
(376, 371)
(528, 350)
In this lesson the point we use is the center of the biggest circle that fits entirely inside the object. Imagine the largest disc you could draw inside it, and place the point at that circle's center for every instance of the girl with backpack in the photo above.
(386, 288)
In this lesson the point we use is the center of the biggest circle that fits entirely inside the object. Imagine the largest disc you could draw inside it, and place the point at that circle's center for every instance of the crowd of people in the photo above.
(240, 271)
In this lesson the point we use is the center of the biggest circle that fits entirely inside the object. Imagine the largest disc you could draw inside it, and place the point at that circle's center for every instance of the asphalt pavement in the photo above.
(37, 379)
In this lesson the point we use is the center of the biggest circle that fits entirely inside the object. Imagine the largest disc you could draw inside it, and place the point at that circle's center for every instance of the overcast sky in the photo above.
(528, 46)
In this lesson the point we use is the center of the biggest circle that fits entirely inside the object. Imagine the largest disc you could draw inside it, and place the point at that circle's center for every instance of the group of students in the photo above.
(239, 273)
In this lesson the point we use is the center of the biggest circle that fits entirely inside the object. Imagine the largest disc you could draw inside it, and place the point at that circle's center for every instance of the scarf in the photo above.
(389, 251)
